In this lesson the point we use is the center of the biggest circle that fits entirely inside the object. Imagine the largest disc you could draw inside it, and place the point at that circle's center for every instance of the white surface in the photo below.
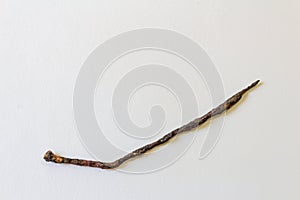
(43, 44)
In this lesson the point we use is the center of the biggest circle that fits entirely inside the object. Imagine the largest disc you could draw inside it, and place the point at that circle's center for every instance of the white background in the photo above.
(44, 43)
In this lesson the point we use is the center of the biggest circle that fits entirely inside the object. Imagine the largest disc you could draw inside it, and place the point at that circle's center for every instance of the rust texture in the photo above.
(51, 157)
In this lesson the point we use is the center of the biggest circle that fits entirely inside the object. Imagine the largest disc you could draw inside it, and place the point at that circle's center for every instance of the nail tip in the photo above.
(255, 83)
